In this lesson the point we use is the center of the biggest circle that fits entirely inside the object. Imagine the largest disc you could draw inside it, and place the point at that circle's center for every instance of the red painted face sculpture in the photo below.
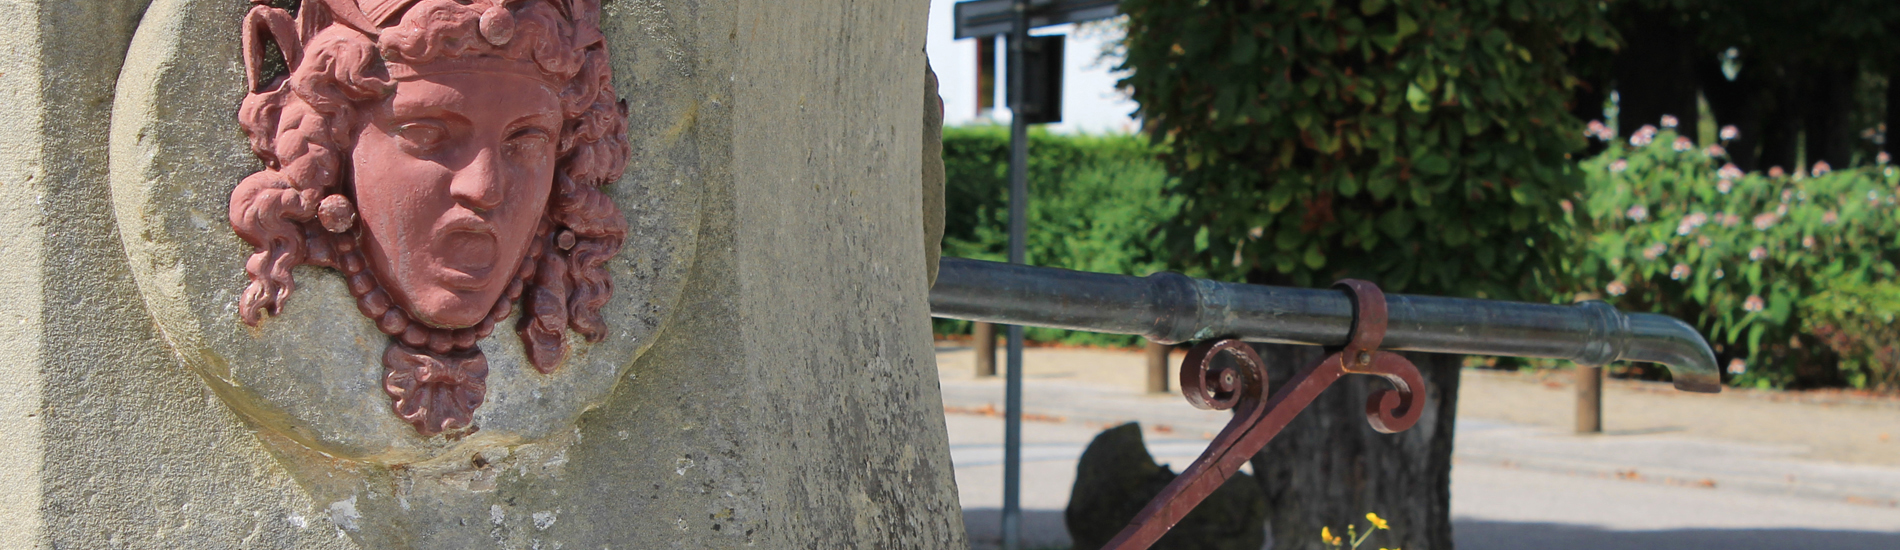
(446, 157)
(452, 176)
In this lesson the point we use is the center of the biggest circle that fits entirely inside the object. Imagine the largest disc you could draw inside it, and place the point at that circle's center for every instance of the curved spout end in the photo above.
(1698, 386)
(1672, 343)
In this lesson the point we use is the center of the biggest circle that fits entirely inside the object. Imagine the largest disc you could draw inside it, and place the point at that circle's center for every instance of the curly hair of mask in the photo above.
(303, 125)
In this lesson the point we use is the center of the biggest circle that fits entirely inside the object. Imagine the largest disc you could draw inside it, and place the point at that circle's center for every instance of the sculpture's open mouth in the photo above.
(468, 253)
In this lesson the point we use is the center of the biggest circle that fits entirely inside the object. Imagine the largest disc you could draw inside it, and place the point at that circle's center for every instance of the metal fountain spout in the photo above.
(1174, 308)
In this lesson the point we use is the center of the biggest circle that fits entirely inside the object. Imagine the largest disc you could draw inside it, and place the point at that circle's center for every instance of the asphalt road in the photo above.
(1663, 477)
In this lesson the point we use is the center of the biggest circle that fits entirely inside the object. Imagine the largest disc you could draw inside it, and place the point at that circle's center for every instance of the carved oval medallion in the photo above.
(423, 225)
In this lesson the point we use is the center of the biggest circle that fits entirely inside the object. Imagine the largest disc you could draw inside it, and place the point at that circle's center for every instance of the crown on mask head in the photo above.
(469, 64)
(492, 22)
(370, 15)
(379, 11)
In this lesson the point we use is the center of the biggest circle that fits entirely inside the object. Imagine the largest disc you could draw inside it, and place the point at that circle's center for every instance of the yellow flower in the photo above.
(1377, 522)
(1326, 535)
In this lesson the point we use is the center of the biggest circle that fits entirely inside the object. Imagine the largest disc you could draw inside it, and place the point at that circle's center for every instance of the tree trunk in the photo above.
(1735, 103)
(1893, 111)
(1593, 66)
(1655, 75)
(1781, 128)
(1828, 103)
(1329, 468)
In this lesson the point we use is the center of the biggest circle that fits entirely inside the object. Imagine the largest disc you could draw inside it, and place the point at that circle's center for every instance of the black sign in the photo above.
(1042, 80)
(991, 17)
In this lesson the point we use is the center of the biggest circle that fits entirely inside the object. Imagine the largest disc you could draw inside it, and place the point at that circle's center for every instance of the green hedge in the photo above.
(1096, 204)
(1789, 275)
(1655, 229)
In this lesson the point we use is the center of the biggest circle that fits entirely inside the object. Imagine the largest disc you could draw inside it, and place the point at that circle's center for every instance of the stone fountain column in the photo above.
(766, 377)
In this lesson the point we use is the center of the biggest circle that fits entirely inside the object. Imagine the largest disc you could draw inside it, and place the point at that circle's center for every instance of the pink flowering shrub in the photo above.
(1802, 292)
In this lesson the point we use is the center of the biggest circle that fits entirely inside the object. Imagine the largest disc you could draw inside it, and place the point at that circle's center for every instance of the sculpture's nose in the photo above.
(479, 186)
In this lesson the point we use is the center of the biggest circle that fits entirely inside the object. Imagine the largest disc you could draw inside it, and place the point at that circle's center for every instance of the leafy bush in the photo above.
(1855, 318)
(1419, 144)
(1096, 203)
(1789, 275)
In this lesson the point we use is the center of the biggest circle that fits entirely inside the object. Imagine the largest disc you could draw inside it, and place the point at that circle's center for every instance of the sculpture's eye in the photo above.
(528, 144)
(421, 137)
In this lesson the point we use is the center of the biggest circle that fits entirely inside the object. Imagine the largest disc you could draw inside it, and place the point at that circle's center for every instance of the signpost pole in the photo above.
(1012, 18)
(1018, 202)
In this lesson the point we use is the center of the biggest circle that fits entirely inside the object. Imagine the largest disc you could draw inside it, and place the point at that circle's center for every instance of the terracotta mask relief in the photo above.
(447, 157)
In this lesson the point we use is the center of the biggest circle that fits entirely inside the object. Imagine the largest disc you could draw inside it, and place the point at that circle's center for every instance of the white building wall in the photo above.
(1090, 102)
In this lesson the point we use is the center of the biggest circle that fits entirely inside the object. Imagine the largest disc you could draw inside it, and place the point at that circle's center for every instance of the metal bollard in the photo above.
(985, 339)
(1158, 366)
(1589, 400)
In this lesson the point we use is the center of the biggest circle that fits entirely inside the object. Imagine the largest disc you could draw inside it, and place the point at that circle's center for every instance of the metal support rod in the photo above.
(1018, 206)
(1589, 400)
(1173, 308)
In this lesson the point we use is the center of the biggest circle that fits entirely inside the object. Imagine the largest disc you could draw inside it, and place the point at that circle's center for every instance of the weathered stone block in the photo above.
(772, 290)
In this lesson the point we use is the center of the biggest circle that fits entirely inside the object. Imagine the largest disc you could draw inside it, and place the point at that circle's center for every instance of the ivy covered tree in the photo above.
(1421, 144)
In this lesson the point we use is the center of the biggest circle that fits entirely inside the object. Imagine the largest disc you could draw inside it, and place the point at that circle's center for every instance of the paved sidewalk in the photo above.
(1520, 479)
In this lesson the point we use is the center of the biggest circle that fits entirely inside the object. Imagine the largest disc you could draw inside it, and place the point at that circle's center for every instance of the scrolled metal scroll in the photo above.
(1394, 410)
(1217, 389)
(1255, 423)
(1389, 411)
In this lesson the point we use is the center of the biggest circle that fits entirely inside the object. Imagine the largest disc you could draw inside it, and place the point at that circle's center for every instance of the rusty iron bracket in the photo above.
(1256, 422)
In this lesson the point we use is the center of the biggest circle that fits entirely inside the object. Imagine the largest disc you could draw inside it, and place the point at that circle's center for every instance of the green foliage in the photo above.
(1769, 267)
(1854, 316)
(1096, 203)
(1420, 144)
